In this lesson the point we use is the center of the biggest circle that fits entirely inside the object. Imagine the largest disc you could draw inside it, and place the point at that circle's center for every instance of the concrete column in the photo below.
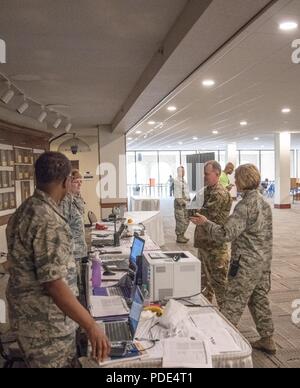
(232, 156)
(282, 170)
(112, 189)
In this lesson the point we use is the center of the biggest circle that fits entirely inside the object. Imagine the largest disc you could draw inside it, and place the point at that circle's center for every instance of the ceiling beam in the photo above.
(191, 13)
(199, 32)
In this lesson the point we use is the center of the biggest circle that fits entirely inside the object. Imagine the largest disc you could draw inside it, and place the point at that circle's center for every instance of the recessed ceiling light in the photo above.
(129, 139)
(208, 82)
(288, 26)
(286, 110)
(243, 123)
(151, 122)
(195, 138)
(215, 132)
(172, 108)
(256, 138)
(138, 132)
(180, 142)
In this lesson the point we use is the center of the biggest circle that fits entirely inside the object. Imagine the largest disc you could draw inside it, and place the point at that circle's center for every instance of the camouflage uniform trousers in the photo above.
(250, 289)
(57, 352)
(182, 220)
(80, 280)
(215, 263)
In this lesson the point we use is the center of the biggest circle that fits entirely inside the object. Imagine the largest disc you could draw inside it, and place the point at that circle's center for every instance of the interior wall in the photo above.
(88, 162)
(113, 170)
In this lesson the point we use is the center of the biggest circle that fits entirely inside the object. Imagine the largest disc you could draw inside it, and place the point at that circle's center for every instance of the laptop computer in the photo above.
(108, 239)
(136, 250)
(118, 331)
(126, 286)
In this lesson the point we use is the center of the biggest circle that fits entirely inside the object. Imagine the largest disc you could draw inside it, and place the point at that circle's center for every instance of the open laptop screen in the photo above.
(136, 310)
(136, 250)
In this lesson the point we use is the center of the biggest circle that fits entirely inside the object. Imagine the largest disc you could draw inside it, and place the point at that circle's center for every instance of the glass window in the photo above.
(250, 157)
(293, 164)
(147, 168)
(268, 165)
(222, 159)
(168, 164)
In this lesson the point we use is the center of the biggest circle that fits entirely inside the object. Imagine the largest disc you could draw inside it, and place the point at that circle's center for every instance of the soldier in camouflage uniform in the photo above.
(182, 197)
(213, 254)
(250, 229)
(72, 207)
(42, 286)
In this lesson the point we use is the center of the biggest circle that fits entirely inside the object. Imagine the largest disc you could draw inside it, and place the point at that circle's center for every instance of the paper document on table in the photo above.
(107, 306)
(211, 327)
(186, 353)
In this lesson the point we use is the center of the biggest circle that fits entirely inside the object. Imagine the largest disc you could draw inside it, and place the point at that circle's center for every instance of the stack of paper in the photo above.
(211, 327)
(108, 306)
(186, 353)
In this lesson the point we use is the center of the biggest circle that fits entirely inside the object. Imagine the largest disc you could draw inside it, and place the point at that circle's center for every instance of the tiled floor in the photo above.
(285, 287)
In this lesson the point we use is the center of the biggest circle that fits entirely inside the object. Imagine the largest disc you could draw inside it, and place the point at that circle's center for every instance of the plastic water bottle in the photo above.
(96, 271)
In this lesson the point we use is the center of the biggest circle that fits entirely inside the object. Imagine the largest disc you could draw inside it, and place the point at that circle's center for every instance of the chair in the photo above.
(92, 217)
(10, 351)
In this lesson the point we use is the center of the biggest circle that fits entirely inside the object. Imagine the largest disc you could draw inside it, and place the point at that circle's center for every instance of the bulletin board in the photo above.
(19, 149)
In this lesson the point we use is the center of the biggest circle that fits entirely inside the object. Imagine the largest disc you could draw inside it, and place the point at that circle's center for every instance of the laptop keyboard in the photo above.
(118, 331)
(123, 291)
(114, 291)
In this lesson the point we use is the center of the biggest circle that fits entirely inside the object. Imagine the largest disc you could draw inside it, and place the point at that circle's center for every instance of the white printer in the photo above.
(171, 275)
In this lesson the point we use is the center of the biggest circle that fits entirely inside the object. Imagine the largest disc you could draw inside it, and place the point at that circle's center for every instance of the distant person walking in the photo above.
(171, 185)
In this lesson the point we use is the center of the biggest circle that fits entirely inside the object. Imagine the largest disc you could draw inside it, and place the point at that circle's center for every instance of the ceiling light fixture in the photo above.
(243, 123)
(8, 95)
(180, 142)
(195, 138)
(286, 110)
(215, 132)
(74, 145)
(23, 107)
(208, 83)
(68, 127)
(42, 116)
(288, 26)
(57, 122)
(129, 139)
(151, 122)
(172, 108)
(256, 138)
(138, 132)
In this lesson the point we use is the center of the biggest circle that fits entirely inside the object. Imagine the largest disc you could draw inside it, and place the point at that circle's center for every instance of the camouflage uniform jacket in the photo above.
(181, 193)
(39, 251)
(250, 228)
(72, 207)
(216, 208)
